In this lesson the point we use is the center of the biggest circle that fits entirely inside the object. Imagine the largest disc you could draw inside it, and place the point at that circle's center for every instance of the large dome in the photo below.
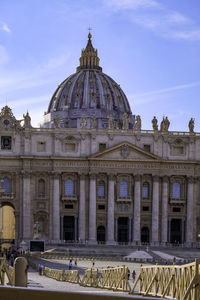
(88, 94)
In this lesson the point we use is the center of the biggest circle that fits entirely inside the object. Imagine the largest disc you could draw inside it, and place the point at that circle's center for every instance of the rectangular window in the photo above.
(6, 143)
(69, 206)
(102, 146)
(101, 207)
(41, 147)
(145, 208)
(177, 150)
(176, 209)
(69, 147)
(147, 148)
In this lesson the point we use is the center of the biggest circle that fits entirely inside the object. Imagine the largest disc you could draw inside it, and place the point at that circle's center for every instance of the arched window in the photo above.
(69, 187)
(145, 190)
(41, 187)
(101, 189)
(176, 190)
(123, 188)
(6, 185)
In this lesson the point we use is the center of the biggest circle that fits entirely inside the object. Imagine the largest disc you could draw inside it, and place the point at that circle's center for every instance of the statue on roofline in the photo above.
(110, 122)
(83, 121)
(191, 125)
(125, 121)
(27, 120)
(154, 123)
(138, 124)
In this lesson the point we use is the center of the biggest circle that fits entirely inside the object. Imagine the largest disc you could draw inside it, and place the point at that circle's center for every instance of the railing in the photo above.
(115, 279)
(60, 275)
(110, 278)
(173, 282)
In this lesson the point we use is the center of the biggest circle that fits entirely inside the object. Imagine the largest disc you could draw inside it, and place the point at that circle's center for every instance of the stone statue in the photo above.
(138, 124)
(154, 123)
(167, 123)
(56, 121)
(164, 126)
(27, 120)
(83, 121)
(110, 122)
(93, 122)
(117, 125)
(36, 230)
(125, 121)
(191, 125)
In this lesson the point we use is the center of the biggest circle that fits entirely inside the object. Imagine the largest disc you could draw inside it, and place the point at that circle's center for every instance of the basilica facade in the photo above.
(91, 174)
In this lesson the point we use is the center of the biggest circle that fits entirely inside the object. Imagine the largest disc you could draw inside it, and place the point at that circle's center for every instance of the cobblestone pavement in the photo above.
(37, 281)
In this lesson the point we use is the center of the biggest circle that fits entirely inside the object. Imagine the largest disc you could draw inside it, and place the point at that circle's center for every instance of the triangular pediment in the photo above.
(125, 151)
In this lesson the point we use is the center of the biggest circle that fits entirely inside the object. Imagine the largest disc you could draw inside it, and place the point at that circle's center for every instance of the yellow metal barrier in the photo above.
(6, 270)
(61, 275)
(173, 282)
(115, 279)
(71, 276)
(90, 278)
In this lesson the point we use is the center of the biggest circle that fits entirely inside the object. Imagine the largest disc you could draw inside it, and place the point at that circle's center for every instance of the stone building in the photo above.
(91, 174)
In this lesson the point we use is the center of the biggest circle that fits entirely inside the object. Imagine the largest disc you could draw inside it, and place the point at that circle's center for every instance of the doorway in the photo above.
(176, 231)
(123, 229)
(7, 225)
(101, 234)
(69, 228)
(145, 235)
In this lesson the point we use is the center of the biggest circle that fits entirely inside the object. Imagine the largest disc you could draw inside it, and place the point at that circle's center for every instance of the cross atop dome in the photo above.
(89, 34)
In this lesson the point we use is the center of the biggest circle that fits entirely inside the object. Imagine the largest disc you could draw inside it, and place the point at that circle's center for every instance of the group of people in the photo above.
(70, 263)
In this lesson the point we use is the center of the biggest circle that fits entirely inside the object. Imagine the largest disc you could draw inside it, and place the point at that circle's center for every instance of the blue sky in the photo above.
(150, 47)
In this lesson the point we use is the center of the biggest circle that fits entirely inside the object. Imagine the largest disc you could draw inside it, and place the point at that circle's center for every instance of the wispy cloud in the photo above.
(4, 27)
(190, 35)
(4, 56)
(156, 17)
(150, 96)
(132, 4)
(170, 89)
(36, 76)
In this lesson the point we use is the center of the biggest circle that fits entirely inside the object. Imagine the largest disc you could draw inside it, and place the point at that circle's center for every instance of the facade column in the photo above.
(92, 210)
(81, 229)
(155, 210)
(111, 211)
(137, 209)
(1, 221)
(165, 191)
(190, 212)
(182, 230)
(116, 229)
(56, 209)
(61, 227)
(26, 207)
(75, 227)
(130, 230)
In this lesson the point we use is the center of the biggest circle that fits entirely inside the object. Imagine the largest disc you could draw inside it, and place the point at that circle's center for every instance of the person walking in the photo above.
(40, 269)
(133, 275)
(93, 262)
(70, 264)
